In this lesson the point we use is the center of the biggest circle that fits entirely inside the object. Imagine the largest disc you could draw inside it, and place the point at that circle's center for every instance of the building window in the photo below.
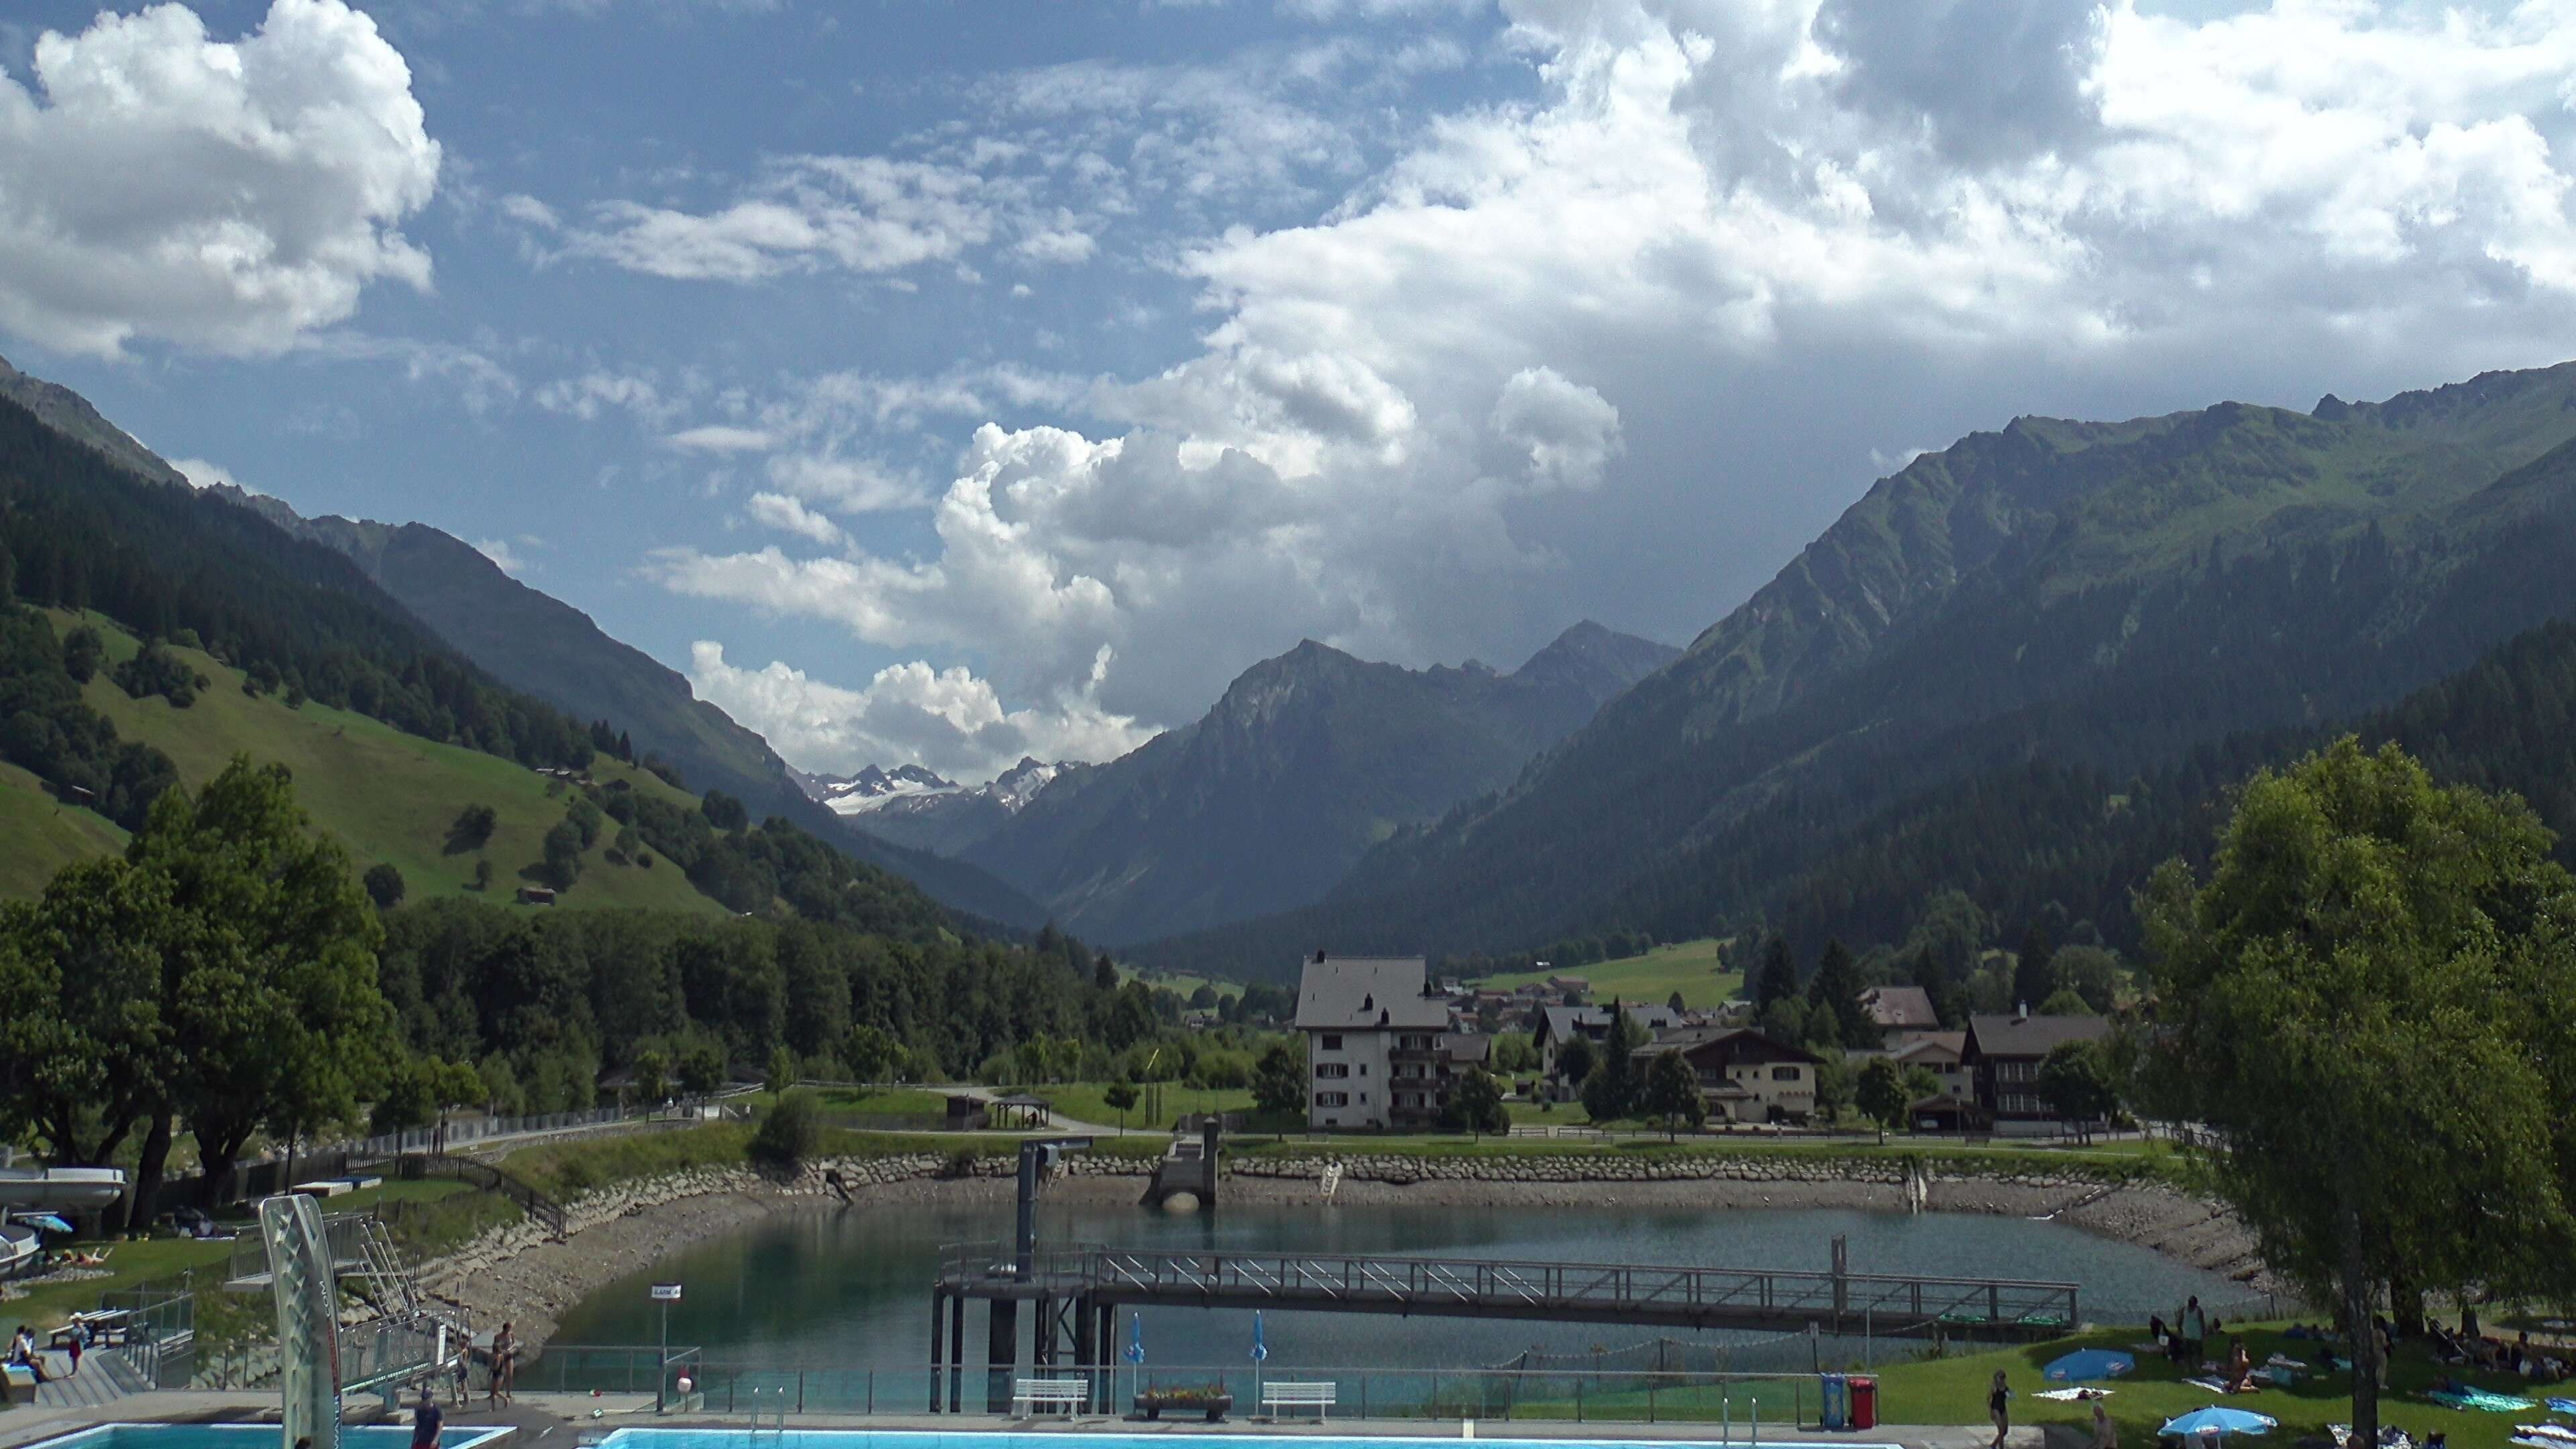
(1784, 1074)
(1364, 1095)
(1363, 1069)
(1332, 1069)
(1332, 1042)
(1332, 1099)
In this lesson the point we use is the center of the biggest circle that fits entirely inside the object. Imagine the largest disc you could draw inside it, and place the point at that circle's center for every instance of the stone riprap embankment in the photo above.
(520, 1275)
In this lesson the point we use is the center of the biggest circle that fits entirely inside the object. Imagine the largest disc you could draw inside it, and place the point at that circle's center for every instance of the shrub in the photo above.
(790, 1133)
(384, 885)
(473, 829)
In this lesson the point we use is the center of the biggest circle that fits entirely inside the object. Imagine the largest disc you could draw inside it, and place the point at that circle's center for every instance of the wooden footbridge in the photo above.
(1077, 1290)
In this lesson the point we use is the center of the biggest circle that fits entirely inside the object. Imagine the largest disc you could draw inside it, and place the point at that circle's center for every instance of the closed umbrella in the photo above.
(1260, 1353)
(2225, 1421)
(1135, 1350)
(2088, 1363)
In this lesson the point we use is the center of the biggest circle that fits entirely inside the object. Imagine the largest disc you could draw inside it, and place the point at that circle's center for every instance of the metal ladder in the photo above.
(1332, 1179)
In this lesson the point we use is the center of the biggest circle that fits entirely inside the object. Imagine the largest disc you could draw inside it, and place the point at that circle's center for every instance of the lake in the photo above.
(849, 1288)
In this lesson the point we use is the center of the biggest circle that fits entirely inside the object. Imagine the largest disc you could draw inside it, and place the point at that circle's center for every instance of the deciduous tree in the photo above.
(2367, 1000)
(1476, 1104)
(1672, 1093)
(1881, 1094)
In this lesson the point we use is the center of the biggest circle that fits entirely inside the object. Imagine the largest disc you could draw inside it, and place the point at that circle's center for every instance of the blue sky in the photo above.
(954, 382)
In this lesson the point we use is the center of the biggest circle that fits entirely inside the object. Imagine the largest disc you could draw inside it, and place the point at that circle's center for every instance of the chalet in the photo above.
(2002, 1055)
(1899, 1012)
(536, 896)
(1373, 1041)
(1938, 1052)
(1557, 1025)
(1570, 986)
(1744, 1076)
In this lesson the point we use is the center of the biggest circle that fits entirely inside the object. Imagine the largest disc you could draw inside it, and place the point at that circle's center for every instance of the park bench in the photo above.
(1278, 1396)
(1067, 1395)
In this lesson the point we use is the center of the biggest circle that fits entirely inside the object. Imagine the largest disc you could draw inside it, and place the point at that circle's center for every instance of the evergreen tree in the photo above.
(2034, 970)
(1834, 1012)
(1777, 977)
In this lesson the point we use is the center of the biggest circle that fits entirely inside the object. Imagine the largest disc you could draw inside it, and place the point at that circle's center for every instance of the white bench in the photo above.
(1318, 1397)
(1067, 1395)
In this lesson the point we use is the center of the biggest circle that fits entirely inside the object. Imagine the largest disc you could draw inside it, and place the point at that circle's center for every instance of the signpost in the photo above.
(665, 1294)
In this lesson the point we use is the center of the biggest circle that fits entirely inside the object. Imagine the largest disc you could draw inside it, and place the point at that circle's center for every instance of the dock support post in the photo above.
(938, 1311)
(1086, 1348)
(1001, 1353)
(956, 1354)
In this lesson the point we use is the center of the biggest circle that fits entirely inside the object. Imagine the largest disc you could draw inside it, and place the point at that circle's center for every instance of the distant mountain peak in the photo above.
(1595, 657)
(911, 789)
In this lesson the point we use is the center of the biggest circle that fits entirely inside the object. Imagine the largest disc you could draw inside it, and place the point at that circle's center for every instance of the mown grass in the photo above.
(1085, 1102)
(1692, 968)
(1953, 1391)
(39, 835)
(882, 1101)
(383, 794)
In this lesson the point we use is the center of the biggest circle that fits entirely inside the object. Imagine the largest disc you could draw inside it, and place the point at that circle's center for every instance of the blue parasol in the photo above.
(47, 1221)
(2225, 1421)
(2088, 1363)
(1135, 1339)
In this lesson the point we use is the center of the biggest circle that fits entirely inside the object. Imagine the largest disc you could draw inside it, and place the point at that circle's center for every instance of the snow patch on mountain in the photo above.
(909, 789)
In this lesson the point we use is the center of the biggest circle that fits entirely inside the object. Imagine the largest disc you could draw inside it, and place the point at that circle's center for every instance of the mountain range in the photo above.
(1266, 801)
(2098, 597)
(545, 648)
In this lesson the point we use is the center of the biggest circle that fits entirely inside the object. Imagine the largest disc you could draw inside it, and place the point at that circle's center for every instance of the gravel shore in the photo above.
(519, 1275)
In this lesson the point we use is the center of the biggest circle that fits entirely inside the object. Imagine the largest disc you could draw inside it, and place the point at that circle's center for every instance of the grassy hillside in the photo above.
(38, 835)
(1693, 968)
(386, 795)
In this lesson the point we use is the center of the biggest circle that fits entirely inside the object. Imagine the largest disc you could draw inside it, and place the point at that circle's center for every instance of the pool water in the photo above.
(901, 1439)
(257, 1436)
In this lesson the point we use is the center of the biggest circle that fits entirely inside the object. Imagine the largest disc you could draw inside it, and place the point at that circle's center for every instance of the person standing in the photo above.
(1999, 1407)
(426, 1419)
(505, 1357)
(2195, 1334)
(2105, 1436)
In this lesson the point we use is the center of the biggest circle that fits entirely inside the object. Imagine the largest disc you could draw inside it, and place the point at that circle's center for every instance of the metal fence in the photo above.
(1572, 1395)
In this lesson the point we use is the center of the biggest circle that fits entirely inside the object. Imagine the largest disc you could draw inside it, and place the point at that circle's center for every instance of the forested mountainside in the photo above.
(2105, 597)
(535, 642)
(543, 650)
(127, 603)
(1306, 761)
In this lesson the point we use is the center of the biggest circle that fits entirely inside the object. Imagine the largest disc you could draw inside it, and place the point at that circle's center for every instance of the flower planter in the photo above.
(1214, 1406)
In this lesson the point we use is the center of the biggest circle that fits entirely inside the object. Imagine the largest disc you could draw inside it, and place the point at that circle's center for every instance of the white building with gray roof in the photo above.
(1374, 1054)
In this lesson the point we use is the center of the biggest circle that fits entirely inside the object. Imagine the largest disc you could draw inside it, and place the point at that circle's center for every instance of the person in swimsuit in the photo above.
(1999, 1407)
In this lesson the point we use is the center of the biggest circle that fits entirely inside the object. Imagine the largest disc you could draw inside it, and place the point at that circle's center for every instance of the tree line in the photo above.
(228, 977)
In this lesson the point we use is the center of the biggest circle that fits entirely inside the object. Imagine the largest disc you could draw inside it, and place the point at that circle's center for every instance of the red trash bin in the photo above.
(1864, 1402)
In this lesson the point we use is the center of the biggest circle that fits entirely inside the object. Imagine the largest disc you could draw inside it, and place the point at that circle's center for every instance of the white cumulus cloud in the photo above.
(1621, 347)
(226, 195)
(946, 719)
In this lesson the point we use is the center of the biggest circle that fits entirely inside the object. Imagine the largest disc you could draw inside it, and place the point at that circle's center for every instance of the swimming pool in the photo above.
(906, 1439)
(259, 1436)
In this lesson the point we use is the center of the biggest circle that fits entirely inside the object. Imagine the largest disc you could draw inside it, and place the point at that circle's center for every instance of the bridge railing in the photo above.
(1328, 1279)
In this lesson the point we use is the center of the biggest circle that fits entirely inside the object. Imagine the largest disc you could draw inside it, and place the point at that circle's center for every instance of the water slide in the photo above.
(60, 1189)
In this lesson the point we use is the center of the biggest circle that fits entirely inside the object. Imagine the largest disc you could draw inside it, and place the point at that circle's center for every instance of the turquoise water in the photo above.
(252, 1436)
(890, 1439)
(848, 1289)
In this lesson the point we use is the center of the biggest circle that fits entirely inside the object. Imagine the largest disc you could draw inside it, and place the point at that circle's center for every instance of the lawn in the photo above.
(1083, 1102)
(1692, 968)
(883, 1101)
(385, 795)
(1182, 982)
(1952, 1391)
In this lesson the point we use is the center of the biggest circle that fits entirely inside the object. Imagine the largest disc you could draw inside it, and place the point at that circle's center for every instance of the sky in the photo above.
(952, 383)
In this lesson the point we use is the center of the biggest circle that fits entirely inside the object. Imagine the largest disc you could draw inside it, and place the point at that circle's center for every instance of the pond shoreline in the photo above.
(519, 1275)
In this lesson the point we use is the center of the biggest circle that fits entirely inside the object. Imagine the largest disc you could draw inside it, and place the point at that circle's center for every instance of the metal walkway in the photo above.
(1663, 1297)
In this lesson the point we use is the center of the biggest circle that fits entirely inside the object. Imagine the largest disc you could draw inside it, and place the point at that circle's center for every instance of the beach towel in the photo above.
(2213, 1385)
(2068, 1395)
(2482, 1401)
(2283, 1360)
(2561, 1406)
(2555, 1433)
